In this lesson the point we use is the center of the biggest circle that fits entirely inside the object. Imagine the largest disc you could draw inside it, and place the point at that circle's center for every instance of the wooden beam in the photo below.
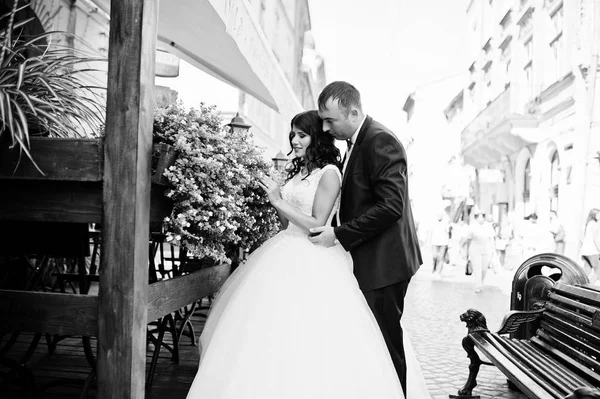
(126, 199)
(167, 296)
(49, 312)
(59, 158)
(65, 201)
(51, 201)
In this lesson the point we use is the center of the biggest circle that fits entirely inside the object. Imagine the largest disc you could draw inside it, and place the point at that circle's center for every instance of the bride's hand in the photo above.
(271, 188)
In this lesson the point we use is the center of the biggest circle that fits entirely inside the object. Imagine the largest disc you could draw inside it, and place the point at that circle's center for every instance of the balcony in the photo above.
(496, 132)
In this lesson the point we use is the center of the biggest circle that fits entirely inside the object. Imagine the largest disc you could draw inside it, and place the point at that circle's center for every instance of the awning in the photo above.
(506, 138)
(223, 39)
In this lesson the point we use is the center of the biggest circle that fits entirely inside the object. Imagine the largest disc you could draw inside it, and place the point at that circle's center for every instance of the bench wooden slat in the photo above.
(588, 309)
(585, 372)
(570, 338)
(544, 357)
(559, 342)
(585, 332)
(560, 378)
(591, 297)
(526, 380)
(569, 314)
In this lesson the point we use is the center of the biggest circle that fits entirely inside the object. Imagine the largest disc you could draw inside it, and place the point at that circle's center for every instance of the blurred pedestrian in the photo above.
(558, 233)
(590, 247)
(535, 238)
(457, 249)
(504, 235)
(440, 238)
(480, 236)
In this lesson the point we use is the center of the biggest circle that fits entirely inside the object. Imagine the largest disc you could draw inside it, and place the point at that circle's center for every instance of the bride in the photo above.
(292, 323)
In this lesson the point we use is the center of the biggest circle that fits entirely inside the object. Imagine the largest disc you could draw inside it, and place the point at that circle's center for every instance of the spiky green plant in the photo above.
(42, 88)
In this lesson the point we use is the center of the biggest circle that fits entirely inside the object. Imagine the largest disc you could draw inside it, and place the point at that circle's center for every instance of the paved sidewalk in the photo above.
(433, 307)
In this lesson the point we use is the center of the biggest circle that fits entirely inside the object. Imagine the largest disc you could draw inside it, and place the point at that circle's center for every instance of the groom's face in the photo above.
(339, 122)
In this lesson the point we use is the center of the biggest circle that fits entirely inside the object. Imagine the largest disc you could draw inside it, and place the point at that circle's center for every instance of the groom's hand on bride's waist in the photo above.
(322, 236)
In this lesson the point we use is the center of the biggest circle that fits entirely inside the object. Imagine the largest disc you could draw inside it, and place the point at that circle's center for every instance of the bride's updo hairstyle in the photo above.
(321, 151)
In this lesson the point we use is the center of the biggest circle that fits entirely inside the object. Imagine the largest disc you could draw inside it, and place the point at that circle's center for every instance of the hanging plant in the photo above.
(217, 205)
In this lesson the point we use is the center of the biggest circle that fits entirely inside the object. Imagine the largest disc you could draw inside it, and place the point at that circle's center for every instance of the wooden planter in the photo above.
(71, 189)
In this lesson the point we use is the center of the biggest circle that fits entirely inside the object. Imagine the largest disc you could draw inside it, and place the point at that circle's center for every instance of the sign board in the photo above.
(167, 64)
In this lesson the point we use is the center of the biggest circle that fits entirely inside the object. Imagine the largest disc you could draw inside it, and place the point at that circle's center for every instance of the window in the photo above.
(557, 43)
(529, 80)
(472, 91)
(487, 48)
(506, 20)
(527, 188)
(529, 49)
(558, 53)
(557, 20)
(554, 181)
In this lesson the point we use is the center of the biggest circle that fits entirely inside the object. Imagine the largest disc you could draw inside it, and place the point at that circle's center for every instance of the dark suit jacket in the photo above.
(377, 225)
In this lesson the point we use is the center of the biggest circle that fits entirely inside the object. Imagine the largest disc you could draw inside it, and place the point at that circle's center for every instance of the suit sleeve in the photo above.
(388, 181)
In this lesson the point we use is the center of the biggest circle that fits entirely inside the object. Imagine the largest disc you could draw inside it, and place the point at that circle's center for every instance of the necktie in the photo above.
(349, 144)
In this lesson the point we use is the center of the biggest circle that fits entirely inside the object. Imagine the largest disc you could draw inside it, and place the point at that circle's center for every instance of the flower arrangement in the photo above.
(218, 207)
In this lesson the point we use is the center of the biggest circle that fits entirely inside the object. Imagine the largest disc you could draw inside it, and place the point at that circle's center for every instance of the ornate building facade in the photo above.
(527, 116)
(286, 25)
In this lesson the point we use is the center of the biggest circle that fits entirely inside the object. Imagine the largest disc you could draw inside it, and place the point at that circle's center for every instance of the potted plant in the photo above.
(51, 128)
(217, 205)
(44, 89)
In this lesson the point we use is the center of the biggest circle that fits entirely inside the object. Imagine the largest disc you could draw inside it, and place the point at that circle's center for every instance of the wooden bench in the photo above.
(562, 356)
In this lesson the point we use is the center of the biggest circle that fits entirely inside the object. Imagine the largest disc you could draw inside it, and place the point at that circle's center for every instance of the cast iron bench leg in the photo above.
(465, 392)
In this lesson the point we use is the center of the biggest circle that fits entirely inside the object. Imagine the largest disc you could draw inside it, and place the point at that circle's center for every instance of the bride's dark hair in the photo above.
(321, 151)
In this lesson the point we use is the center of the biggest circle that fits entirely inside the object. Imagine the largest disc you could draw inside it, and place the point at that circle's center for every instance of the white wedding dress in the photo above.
(292, 323)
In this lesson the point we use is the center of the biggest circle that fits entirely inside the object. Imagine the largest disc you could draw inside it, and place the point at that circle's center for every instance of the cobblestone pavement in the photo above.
(432, 310)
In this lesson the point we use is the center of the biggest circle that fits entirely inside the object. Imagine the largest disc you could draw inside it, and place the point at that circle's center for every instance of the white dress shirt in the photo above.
(353, 140)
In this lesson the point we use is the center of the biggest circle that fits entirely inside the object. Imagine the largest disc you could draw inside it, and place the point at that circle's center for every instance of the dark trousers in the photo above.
(387, 304)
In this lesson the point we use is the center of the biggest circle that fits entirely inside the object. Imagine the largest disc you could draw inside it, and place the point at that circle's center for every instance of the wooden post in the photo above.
(126, 199)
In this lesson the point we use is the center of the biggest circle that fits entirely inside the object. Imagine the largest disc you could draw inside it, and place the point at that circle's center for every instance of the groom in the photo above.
(375, 219)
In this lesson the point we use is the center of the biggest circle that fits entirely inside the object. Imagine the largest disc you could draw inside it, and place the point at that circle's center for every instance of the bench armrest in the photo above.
(515, 318)
(476, 321)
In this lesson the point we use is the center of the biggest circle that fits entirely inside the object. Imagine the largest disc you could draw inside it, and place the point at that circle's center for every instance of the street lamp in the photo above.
(237, 124)
(280, 161)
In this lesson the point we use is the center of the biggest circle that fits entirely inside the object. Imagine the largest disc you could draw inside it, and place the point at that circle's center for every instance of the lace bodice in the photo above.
(300, 193)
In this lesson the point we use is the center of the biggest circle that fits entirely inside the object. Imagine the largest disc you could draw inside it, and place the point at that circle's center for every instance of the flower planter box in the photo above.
(71, 188)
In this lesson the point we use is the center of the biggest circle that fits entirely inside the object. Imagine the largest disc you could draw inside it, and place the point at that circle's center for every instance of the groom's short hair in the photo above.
(344, 92)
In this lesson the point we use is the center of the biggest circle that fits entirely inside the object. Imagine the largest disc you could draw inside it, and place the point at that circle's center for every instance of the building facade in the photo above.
(437, 176)
(286, 25)
(527, 113)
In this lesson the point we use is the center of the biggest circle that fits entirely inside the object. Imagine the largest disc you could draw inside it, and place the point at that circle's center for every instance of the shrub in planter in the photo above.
(217, 206)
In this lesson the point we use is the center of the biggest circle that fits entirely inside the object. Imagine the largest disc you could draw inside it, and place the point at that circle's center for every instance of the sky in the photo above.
(390, 48)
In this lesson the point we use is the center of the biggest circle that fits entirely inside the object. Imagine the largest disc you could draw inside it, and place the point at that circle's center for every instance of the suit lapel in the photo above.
(356, 150)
